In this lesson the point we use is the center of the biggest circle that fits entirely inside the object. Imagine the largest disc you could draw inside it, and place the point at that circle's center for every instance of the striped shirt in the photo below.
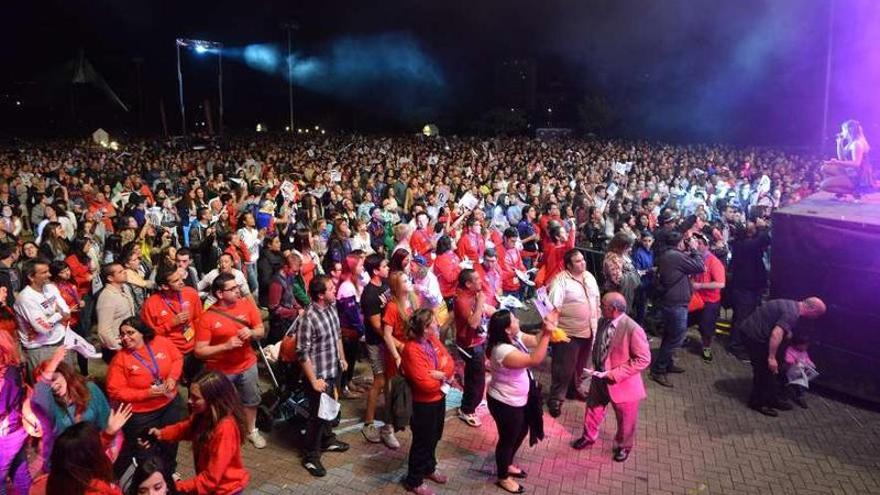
(317, 335)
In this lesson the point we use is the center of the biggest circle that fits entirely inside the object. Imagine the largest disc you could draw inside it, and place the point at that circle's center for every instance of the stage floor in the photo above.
(824, 205)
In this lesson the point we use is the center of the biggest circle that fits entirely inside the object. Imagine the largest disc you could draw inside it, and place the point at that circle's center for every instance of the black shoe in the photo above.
(707, 355)
(336, 446)
(315, 468)
(582, 443)
(661, 379)
(555, 408)
(620, 454)
(765, 410)
(782, 405)
(800, 402)
(674, 369)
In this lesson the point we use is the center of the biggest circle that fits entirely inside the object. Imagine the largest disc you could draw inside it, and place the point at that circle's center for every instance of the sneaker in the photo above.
(673, 368)
(471, 419)
(388, 438)
(371, 433)
(315, 468)
(336, 446)
(707, 354)
(257, 439)
(348, 393)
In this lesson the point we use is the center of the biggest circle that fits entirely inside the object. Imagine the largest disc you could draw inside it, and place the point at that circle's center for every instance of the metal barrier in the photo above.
(594, 261)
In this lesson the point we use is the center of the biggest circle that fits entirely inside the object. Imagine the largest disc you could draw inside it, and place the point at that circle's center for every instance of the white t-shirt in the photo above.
(40, 315)
(508, 385)
(251, 240)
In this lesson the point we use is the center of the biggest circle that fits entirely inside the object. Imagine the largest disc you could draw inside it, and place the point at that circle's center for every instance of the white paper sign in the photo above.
(468, 201)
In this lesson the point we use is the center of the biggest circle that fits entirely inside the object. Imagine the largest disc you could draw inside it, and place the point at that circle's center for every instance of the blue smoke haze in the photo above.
(356, 70)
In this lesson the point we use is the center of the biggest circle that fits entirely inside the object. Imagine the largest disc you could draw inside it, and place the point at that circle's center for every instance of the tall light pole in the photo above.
(828, 58)
(290, 27)
(200, 47)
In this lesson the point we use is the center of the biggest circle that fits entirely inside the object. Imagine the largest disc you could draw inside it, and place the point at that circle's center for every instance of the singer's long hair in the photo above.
(854, 129)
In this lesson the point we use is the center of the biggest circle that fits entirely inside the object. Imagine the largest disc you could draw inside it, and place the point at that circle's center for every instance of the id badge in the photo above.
(445, 388)
(189, 333)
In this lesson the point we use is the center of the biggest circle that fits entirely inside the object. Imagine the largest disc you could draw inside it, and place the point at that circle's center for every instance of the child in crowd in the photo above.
(800, 369)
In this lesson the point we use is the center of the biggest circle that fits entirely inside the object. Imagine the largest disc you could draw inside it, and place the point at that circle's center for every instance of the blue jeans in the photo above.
(674, 332)
(252, 280)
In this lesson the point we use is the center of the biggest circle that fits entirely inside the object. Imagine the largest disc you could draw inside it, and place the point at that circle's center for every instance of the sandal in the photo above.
(519, 488)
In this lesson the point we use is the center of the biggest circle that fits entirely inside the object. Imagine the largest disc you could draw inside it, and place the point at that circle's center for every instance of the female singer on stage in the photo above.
(850, 172)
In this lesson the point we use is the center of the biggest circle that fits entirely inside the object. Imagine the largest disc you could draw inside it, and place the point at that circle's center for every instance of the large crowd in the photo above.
(416, 256)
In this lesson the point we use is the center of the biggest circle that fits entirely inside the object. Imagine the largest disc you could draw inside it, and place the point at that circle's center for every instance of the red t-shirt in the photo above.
(714, 273)
(216, 328)
(159, 310)
(447, 269)
(129, 381)
(393, 319)
(465, 302)
(420, 242)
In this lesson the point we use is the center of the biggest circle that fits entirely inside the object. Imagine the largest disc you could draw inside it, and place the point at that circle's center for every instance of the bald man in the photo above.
(620, 353)
(763, 332)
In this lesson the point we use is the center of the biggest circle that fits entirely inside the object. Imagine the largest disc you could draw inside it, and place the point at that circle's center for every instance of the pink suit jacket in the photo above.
(628, 354)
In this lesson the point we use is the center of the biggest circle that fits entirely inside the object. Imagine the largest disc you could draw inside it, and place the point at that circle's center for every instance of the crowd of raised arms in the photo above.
(410, 255)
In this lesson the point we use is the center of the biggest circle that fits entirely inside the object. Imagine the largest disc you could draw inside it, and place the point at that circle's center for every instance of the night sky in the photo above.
(744, 71)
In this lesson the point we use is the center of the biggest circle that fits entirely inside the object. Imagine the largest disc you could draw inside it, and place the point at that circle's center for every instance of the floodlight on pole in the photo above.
(200, 47)
(290, 26)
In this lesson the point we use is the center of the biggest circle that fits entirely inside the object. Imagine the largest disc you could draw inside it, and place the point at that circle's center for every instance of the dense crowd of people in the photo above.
(413, 255)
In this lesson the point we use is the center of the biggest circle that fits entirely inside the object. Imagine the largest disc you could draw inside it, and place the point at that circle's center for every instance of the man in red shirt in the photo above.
(707, 286)
(223, 337)
(421, 241)
(471, 245)
(471, 317)
(510, 260)
(173, 312)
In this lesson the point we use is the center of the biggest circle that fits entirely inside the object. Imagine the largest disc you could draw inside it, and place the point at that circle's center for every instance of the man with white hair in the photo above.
(620, 353)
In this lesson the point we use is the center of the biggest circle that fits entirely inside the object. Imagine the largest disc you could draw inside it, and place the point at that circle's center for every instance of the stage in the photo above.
(825, 206)
(831, 249)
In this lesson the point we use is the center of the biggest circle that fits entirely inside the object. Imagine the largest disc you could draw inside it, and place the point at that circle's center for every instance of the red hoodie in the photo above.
(219, 467)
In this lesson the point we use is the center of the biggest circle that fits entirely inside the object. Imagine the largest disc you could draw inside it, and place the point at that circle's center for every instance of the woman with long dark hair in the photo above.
(53, 245)
(851, 172)
(79, 464)
(216, 427)
(509, 394)
(150, 478)
(428, 368)
(144, 373)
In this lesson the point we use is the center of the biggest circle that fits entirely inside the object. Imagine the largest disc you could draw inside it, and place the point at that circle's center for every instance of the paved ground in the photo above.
(698, 438)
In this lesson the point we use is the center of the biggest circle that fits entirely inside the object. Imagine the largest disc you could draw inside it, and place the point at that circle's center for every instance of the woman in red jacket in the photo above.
(216, 427)
(446, 267)
(559, 242)
(79, 464)
(145, 374)
(81, 265)
(428, 369)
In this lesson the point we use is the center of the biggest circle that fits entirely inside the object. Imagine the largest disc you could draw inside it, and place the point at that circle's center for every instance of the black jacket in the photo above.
(673, 268)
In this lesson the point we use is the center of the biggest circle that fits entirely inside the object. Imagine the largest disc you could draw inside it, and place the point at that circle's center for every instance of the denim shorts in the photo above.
(248, 386)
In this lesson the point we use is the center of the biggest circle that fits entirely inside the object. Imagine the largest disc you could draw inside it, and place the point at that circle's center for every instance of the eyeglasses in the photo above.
(234, 287)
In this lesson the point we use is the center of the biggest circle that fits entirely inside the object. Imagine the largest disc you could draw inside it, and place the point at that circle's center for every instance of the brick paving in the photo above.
(698, 438)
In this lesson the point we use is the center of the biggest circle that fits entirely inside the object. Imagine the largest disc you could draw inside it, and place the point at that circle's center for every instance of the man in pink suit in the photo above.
(620, 353)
